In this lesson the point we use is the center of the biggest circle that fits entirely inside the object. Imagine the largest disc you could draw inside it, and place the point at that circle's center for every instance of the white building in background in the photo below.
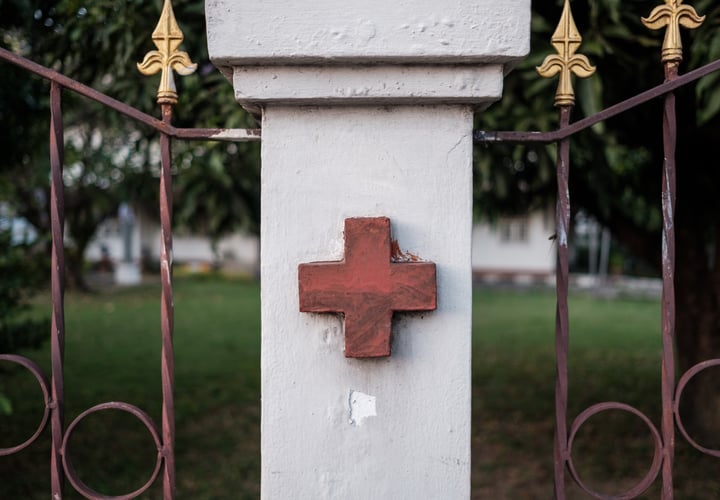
(21, 231)
(237, 253)
(516, 249)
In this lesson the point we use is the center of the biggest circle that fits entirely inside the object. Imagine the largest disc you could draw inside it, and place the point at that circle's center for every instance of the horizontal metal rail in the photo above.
(244, 135)
(481, 136)
(212, 134)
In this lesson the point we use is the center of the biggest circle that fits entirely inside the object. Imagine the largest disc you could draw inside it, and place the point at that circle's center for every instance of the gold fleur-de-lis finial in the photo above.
(167, 37)
(673, 15)
(566, 41)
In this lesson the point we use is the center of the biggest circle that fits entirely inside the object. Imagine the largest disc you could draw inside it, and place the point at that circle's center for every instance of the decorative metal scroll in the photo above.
(566, 40)
(167, 58)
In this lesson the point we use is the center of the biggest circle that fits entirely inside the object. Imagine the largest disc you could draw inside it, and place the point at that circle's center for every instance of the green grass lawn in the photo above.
(113, 348)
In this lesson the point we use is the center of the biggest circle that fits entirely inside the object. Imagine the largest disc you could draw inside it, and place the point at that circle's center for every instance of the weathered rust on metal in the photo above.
(483, 137)
(367, 287)
(167, 310)
(167, 37)
(213, 134)
(682, 383)
(217, 134)
(57, 278)
(653, 470)
(564, 441)
(668, 286)
(72, 476)
(61, 464)
(562, 326)
(39, 375)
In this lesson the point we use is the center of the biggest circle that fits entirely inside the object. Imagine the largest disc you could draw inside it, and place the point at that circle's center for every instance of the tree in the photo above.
(99, 44)
(616, 166)
(23, 274)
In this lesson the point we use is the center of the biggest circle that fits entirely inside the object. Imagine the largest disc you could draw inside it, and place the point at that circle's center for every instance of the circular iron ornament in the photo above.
(652, 473)
(687, 376)
(70, 472)
(33, 368)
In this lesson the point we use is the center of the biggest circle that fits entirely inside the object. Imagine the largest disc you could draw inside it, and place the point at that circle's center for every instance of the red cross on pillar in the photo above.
(367, 287)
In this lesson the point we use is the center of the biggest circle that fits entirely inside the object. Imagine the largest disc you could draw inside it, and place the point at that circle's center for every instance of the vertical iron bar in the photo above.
(562, 217)
(668, 293)
(57, 278)
(167, 355)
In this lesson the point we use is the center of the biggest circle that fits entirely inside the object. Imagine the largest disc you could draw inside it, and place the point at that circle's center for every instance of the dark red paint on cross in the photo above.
(367, 287)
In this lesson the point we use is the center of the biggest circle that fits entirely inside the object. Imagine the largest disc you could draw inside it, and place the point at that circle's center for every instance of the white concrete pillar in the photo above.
(367, 111)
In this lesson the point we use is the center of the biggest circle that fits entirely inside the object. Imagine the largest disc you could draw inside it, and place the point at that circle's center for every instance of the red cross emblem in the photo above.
(367, 287)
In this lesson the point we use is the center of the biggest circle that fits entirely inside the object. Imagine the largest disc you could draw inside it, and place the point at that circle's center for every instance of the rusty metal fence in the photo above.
(167, 37)
(566, 40)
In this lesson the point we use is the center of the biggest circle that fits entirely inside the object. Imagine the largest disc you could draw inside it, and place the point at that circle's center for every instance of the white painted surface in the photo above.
(367, 110)
(361, 406)
(369, 31)
(368, 84)
(413, 165)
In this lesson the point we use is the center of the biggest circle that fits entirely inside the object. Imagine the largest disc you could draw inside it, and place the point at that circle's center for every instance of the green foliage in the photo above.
(23, 274)
(706, 48)
(109, 158)
(5, 405)
(614, 355)
(113, 354)
(615, 166)
(217, 185)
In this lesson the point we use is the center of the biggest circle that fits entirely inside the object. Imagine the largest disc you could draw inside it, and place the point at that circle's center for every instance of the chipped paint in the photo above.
(361, 406)
(397, 255)
(562, 234)
(234, 134)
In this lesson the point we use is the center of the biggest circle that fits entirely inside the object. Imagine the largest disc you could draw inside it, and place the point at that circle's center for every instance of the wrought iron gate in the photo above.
(167, 37)
(566, 39)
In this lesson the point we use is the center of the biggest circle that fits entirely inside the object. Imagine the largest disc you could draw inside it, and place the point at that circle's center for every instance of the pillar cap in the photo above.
(315, 48)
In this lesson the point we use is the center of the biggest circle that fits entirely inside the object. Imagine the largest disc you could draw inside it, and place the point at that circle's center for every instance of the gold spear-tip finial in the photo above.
(566, 41)
(167, 37)
(672, 15)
